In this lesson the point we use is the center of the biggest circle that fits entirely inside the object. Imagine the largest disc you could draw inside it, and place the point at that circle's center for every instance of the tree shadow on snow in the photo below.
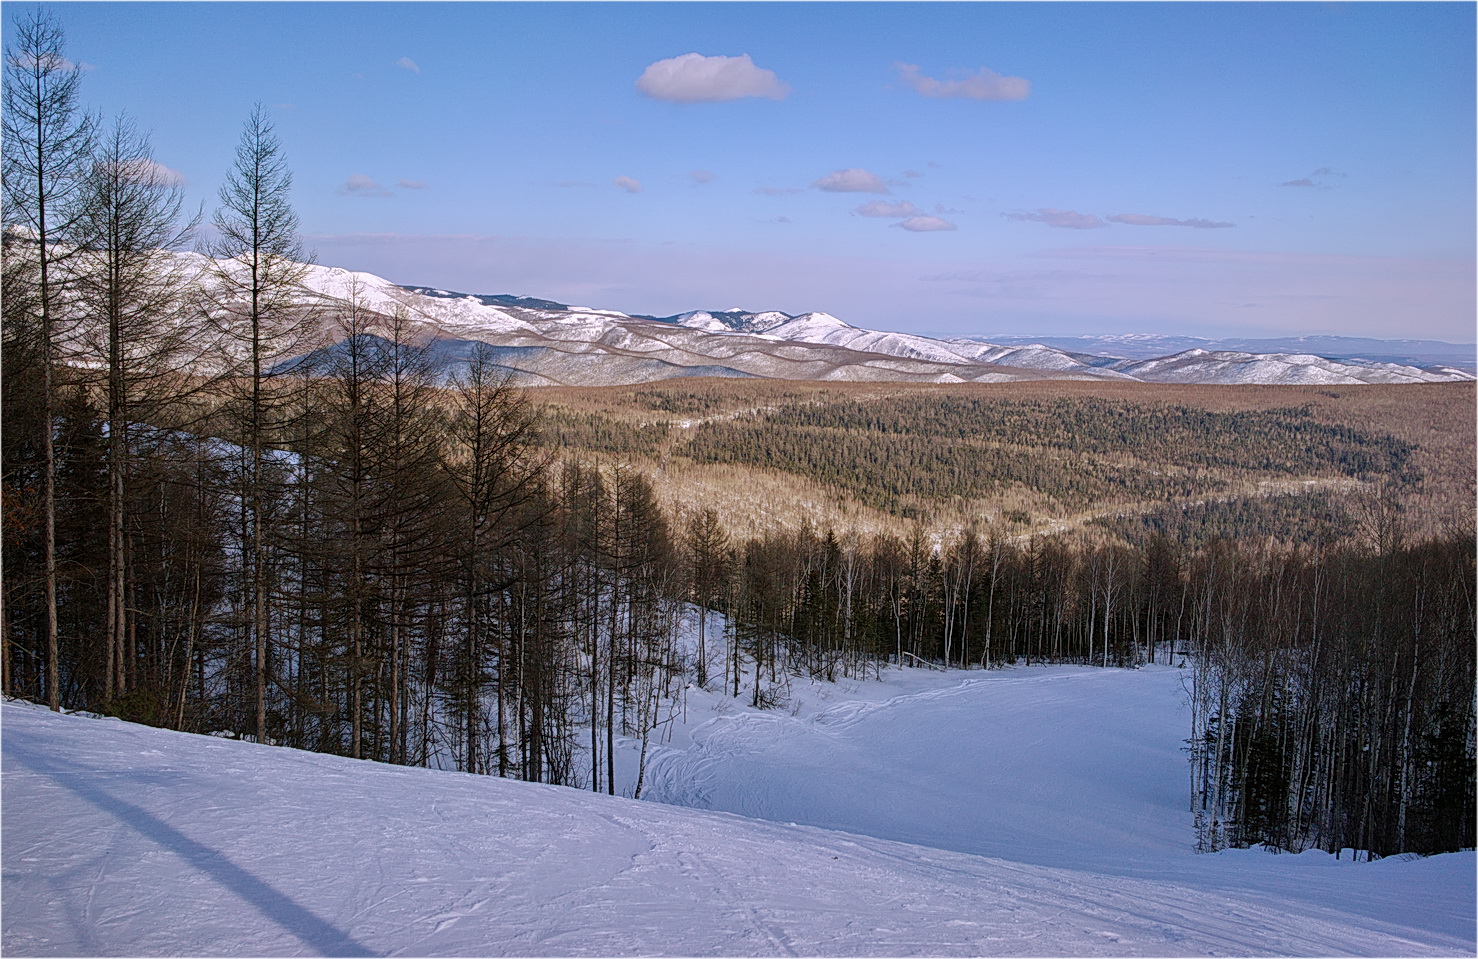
(300, 922)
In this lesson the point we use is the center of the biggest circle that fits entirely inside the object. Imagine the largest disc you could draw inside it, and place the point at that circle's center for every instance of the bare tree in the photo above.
(135, 300)
(495, 475)
(708, 569)
(256, 303)
(46, 147)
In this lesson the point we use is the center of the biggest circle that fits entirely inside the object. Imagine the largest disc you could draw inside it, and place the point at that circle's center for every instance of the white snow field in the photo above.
(1028, 811)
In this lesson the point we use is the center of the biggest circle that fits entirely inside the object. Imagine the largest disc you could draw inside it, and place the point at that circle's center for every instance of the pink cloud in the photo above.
(852, 181)
(694, 78)
(1062, 219)
(982, 85)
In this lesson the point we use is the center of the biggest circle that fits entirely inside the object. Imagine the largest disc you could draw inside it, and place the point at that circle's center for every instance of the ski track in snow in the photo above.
(120, 839)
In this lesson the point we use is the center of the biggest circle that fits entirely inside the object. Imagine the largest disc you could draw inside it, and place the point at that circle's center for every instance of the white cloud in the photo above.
(1064, 219)
(1141, 219)
(694, 78)
(48, 64)
(405, 184)
(851, 181)
(360, 185)
(628, 184)
(981, 85)
(882, 208)
(406, 63)
(701, 176)
(926, 224)
(150, 173)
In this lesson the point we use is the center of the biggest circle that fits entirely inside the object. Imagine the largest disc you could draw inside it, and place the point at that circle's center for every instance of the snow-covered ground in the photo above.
(1030, 811)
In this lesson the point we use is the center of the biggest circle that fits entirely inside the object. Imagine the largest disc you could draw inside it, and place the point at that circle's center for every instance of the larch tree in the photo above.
(494, 472)
(47, 144)
(256, 304)
(136, 299)
(707, 543)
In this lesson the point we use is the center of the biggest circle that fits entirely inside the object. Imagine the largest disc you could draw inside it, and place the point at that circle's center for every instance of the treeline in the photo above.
(1333, 699)
(1310, 518)
(1332, 687)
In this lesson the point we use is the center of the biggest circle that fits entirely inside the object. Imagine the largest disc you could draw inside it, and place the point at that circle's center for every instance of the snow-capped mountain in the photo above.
(1426, 354)
(544, 342)
(1228, 366)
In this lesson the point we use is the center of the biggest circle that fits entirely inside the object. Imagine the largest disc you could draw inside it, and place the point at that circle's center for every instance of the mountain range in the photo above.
(541, 342)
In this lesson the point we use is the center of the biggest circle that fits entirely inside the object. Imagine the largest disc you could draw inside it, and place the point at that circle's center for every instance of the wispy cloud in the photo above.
(852, 181)
(701, 176)
(628, 184)
(49, 63)
(694, 78)
(982, 85)
(406, 63)
(1141, 219)
(1001, 276)
(777, 190)
(1063, 219)
(926, 224)
(360, 185)
(882, 208)
(912, 174)
(1313, 179)
(405, 184)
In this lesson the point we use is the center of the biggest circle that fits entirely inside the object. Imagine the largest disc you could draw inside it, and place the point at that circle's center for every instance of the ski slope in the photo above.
(1022, 812)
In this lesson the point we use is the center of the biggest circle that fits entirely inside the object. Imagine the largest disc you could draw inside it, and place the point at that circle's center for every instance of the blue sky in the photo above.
(1053, 168)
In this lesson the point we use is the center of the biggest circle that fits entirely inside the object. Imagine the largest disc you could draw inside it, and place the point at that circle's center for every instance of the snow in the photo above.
(1229, 366)
(1029, 811)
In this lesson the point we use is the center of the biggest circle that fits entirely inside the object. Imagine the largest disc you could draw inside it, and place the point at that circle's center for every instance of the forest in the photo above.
(228, 510)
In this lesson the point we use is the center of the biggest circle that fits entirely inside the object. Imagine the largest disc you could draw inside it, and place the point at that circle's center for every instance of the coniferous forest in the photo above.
(216, 522)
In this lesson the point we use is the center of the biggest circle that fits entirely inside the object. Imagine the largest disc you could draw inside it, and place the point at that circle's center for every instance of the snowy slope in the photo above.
(129, 840)
(1229, 366)
(1064, 768)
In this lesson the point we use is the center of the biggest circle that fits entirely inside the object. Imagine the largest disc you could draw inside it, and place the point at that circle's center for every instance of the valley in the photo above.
(787, 451)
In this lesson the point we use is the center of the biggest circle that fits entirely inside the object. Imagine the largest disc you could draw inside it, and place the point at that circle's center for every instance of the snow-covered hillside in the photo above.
(1041, 812)
(1292, 369)
(1427, 354)
(542, 342)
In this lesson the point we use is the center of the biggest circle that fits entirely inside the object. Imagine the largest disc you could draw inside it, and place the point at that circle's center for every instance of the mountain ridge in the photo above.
(546, 342)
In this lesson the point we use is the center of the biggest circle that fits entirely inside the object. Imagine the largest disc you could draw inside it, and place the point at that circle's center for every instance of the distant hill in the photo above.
(544, 342)
(1143, 346)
